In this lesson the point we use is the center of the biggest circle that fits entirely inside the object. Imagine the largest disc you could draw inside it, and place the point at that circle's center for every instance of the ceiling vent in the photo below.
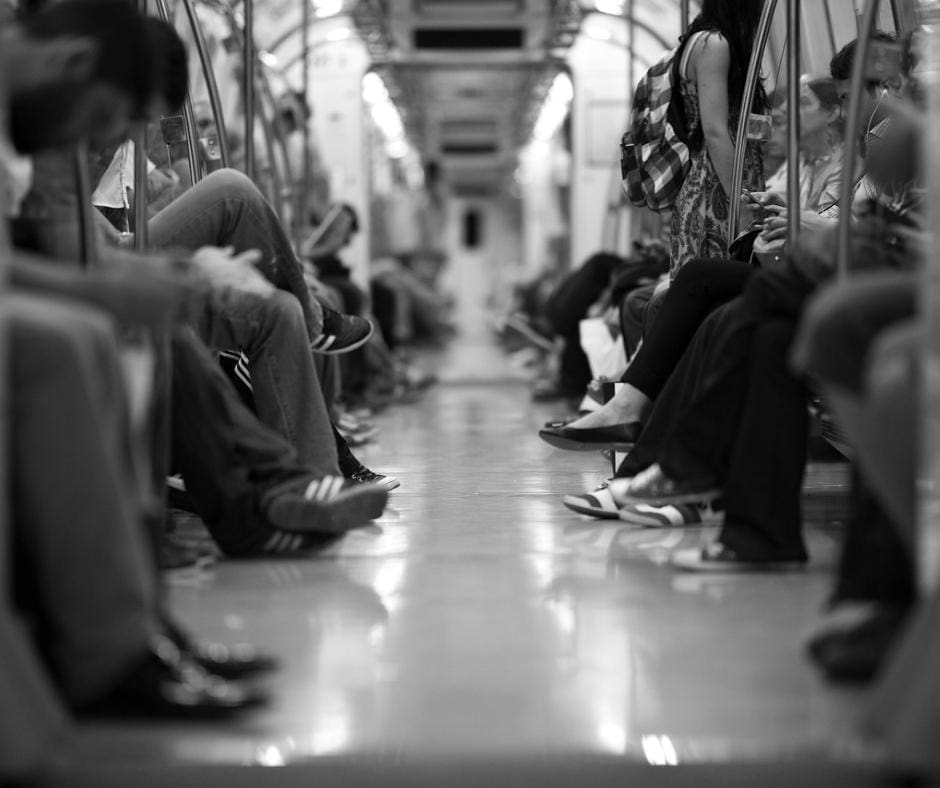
(469, 148)
(468, 38)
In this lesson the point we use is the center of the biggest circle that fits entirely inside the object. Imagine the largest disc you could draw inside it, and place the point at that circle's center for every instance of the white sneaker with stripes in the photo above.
(597, 503)
(678, 515)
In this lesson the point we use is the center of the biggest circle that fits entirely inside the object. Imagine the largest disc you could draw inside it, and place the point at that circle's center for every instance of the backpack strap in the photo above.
(689, 49)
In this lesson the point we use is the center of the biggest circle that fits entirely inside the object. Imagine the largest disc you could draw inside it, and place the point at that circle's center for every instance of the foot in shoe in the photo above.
(652, 486)
(365, 476)
(167, 682)
(341, 333)
(680, 515)
(331, 505)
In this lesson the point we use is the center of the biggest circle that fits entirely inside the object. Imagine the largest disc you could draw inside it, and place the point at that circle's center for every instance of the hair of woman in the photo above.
(736, 21)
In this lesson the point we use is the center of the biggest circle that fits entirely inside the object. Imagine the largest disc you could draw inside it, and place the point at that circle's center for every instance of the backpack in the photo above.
(654, 151)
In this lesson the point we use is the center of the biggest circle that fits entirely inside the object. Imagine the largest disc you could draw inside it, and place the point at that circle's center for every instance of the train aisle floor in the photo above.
(480, 619)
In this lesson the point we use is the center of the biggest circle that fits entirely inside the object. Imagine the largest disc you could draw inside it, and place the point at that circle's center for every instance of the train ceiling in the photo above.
(469, 75)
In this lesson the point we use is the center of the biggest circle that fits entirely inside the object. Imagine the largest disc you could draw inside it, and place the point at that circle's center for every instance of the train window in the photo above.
(472, 228)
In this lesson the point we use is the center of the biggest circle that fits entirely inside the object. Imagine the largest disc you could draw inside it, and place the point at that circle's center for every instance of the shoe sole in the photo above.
(600, 514)
(670, 500)
(352, 508)
(742, 567)
(650, 520)
(569, 444)
(348, 348)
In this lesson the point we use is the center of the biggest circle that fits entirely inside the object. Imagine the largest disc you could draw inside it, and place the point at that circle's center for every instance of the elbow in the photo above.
(715, 135)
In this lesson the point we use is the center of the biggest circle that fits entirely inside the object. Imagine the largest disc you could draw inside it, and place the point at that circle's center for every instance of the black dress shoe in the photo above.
(228, 662)
(618, 437)
(165, 682)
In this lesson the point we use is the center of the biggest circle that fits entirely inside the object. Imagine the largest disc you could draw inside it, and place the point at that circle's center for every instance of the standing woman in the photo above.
(712, 69)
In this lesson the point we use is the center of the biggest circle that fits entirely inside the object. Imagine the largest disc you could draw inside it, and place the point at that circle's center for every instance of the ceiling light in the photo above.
(324, 8)
(614, 7)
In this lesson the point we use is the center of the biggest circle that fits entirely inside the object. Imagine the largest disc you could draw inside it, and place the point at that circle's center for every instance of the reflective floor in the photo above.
(481, 618)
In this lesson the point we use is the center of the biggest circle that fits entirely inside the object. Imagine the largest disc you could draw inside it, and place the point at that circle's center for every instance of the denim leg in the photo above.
(226, 209)
(288, 396)
(231, 462)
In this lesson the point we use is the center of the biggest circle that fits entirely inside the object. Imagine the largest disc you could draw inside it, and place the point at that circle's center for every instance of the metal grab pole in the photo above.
(248, 55)
(684, 16)
(853, 126)
(747, 99)
(206, 61)
(140, 187)
(139, 136)
(188, 115)
(303, 201)
(86, 224)
(793, 122)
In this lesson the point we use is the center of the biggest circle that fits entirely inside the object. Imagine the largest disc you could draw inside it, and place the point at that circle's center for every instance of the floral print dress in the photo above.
(700, 217)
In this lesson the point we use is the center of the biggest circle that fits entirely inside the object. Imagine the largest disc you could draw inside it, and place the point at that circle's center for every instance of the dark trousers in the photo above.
(231, 462)
(699, 287)
(567, 307)
(733, 414)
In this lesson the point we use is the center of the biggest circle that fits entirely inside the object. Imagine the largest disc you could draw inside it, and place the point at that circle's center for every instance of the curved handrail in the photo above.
(189, 116)
(853, 126)
(204, 58)
(747, 99)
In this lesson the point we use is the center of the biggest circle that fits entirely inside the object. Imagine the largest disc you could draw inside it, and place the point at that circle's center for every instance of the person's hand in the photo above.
(221, 266)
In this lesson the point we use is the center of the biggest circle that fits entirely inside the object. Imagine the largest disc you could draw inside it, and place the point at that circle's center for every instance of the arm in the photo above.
(709, 68)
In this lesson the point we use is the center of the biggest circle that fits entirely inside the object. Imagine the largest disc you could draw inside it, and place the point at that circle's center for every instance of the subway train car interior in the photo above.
(469, 392)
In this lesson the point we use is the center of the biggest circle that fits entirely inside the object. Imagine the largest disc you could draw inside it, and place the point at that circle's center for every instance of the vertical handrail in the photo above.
(303, 201)
(188, 115)
(139, 137)
(248, 54)
(684, 16)
(747, 100)
(269, 128)
(853, 126)
(793, 122)
(205, 59)
(88, 247)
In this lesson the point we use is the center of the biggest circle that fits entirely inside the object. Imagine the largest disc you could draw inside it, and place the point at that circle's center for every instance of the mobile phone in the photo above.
(759, 127)
(173, 129)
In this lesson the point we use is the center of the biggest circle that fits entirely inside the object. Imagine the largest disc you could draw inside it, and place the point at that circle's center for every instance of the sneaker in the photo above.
(331, 505)
(365, 476)
(654, 488)
(341, 333)
(677, 515)
(597, 503)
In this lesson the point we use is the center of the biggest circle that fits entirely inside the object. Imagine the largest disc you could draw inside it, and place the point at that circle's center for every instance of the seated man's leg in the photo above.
(288, 396)
(245, 480)
(75, 518)
(226, 209)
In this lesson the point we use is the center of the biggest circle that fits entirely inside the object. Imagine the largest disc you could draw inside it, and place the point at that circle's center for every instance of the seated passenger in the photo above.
(273, 329)
(215, 438)
(732, 420)
(702, 285)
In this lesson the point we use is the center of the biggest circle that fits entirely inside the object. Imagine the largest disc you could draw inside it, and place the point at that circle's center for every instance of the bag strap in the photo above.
(689, 48)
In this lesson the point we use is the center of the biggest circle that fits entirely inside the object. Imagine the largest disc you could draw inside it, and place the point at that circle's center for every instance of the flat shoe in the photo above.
(715, 557)
(618, 437)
